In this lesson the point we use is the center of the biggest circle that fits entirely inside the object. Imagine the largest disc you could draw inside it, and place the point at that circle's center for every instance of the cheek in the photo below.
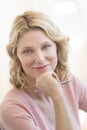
(53, 56)
(53, 53)
(53, 59)
(25, 63)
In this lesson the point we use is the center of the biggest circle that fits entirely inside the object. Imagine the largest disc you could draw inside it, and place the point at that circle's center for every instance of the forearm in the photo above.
(63, 119)
(62, 114)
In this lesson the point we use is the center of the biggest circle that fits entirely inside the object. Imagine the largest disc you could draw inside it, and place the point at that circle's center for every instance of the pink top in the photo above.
(21, 112)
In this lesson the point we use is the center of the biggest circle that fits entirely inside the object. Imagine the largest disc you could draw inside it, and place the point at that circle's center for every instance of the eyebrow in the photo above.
(43, 43)
(27, 47)
(47, 42)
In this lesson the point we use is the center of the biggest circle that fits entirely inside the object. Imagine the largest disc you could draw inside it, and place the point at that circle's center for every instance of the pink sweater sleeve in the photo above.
(80, 90)
(15, 117)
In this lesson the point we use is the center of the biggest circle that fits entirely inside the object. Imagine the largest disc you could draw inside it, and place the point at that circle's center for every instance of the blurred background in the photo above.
(71, 18)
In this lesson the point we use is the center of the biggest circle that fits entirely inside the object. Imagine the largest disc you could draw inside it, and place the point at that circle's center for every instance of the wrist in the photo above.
(57, 94)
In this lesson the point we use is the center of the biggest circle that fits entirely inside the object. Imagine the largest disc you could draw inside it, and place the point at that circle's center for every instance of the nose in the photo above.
(39, 56)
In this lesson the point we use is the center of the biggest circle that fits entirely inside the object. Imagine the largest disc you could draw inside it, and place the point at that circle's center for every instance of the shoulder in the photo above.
(15, 104)
(16, 110)
(77, 81)
(80, 88)
(77, 86)
(14, 94)
(13, 100)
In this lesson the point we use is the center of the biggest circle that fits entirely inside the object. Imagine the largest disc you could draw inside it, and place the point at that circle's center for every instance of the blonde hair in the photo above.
(31, 20)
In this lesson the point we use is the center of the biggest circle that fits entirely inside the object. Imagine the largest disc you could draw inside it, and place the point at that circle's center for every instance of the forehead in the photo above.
(33, 37)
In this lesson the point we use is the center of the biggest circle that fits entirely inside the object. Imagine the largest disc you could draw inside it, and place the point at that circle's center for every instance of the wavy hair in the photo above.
(31, 20)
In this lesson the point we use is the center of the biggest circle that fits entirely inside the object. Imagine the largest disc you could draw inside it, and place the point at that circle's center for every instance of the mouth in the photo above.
(41, 67)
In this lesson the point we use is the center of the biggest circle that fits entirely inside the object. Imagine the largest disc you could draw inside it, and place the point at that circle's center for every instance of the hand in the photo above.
(48, 82)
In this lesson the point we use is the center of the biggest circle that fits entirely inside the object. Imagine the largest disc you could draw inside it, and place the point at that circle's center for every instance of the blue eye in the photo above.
(46, 46)
(27, 51)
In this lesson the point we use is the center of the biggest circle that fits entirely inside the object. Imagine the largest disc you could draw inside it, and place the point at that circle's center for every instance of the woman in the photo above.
(45, 95)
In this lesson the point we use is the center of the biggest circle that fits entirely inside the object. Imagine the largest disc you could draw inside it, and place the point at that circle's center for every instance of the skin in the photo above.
(37, 53)
(38, 57)
(62, 116)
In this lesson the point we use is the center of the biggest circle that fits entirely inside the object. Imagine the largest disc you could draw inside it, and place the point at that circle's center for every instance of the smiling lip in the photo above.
(40, 67)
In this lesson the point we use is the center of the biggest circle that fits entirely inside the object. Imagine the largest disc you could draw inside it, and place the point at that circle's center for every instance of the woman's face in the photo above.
(37, 53)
